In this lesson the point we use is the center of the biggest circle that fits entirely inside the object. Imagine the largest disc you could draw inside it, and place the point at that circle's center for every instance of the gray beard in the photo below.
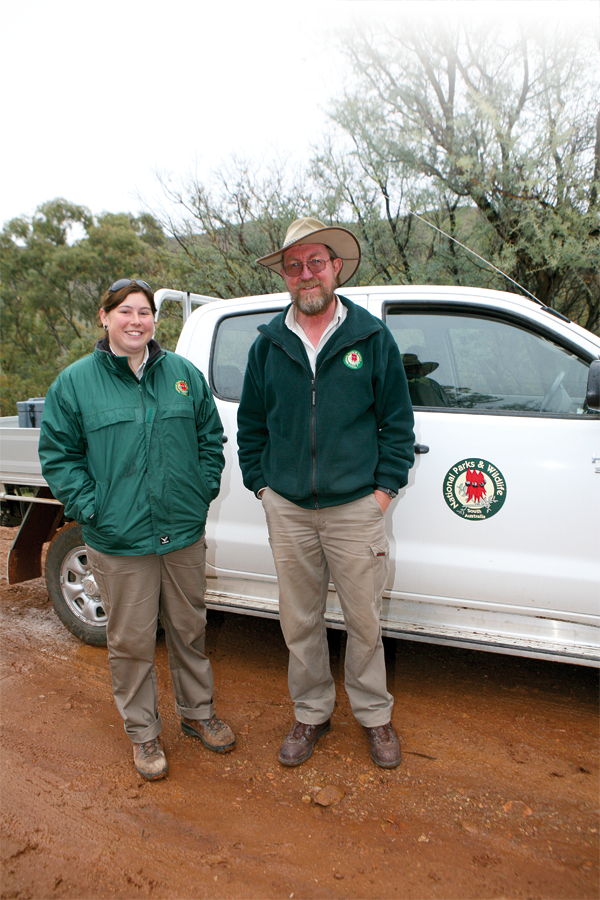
(314, 305)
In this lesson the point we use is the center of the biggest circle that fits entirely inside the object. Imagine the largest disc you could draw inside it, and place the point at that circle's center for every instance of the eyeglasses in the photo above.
(293, 270)
(125, 282)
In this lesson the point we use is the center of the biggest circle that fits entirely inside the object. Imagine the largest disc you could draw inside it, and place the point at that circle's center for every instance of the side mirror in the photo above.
(592, 396)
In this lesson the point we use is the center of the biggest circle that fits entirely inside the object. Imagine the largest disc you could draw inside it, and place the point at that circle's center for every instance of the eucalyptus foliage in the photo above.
(444, 117)
(54, 268)
(223, 228)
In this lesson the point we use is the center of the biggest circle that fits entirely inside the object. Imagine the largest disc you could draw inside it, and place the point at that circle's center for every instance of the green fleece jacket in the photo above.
(329, 439)
(136, 463)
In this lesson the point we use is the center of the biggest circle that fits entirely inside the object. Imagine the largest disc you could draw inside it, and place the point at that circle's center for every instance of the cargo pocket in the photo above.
(380, 561)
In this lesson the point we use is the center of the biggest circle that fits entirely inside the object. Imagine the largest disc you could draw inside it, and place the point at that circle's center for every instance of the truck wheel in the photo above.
(73, 589)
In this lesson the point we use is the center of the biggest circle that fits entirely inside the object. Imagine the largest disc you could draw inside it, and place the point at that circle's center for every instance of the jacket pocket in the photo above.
(99, 500)
(176, 410)
(185, 496)
(107, 417)
(175, 427)
(97, 523)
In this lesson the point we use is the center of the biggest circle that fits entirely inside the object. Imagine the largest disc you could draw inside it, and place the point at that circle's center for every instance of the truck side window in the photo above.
(464, 361)
(233, 338)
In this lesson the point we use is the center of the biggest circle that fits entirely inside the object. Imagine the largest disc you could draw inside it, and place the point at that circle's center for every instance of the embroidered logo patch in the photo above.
(165, 539)
(474, 489)
(353, 359)
(182, 387)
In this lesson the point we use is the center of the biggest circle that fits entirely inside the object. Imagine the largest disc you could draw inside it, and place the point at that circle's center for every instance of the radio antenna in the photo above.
(495, 268)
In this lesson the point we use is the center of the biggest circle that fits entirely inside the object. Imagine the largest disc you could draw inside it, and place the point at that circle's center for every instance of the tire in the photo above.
(73, 589)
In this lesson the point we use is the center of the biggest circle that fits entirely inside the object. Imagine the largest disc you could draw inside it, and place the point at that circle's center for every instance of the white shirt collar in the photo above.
(339, 315)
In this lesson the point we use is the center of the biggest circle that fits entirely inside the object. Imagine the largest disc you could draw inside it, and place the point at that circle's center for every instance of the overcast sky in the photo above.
(100, 96)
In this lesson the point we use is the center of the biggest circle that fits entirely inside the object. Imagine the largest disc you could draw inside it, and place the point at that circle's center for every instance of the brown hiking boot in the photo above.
(213, 733)
(300, 742)
(384, 745)
(150, 760)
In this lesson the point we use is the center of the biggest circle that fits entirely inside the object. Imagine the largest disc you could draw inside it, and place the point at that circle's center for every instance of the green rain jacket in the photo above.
(329, 439)
(135, 463)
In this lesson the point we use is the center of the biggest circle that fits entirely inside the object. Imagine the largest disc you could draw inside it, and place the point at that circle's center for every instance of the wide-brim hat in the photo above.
(414, 366)
(310, 231)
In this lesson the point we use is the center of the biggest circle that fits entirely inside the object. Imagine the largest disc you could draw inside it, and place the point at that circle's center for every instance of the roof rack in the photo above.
(186, 299)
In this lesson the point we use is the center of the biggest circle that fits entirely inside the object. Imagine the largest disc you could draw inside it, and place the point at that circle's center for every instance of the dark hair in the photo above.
(112, 299)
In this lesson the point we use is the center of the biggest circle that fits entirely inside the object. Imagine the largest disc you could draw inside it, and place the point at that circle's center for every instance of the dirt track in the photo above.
(497, 795)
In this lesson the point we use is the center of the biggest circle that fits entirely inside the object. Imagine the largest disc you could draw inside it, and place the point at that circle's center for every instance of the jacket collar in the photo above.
(358, 325)
(155, 352)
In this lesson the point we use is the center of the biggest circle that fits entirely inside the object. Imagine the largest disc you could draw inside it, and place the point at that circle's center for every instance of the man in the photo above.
(326, 441)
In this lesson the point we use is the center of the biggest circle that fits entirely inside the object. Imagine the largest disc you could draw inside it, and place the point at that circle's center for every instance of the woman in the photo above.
(131, 444)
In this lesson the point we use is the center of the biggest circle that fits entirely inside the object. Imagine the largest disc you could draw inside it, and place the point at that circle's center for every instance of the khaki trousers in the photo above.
(348, 544)
(134, 589)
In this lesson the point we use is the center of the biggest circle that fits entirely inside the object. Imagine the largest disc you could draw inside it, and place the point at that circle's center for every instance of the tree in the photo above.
(244, 212)
(222, 229)
(54, 268)
(451, 119)
(396, 248)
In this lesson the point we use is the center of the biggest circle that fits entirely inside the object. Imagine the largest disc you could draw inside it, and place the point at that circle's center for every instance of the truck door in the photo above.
(237, 531)
(502, 509)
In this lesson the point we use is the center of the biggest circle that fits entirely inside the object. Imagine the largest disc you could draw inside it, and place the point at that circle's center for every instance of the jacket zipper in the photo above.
(313, 417)
(313, 422)
(313, 442)
(312, 426)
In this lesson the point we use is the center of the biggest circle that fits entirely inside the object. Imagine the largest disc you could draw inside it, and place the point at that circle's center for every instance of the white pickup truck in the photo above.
(495, 541)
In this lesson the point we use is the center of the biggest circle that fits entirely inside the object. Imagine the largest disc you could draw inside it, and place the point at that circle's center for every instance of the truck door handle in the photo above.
(421, 448)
